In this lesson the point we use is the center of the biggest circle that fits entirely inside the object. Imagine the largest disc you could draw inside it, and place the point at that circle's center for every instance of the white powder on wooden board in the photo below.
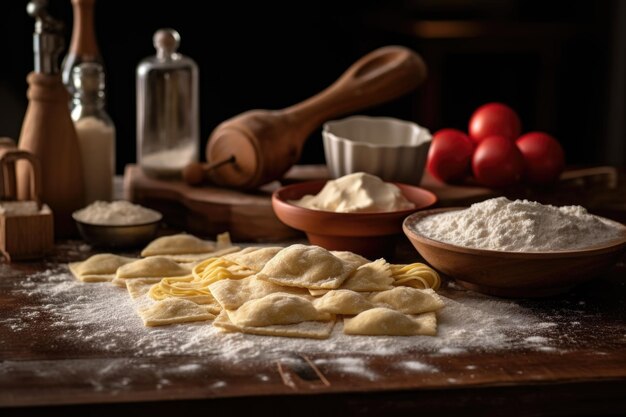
(520, 226)
(103, 317)
(116, 213)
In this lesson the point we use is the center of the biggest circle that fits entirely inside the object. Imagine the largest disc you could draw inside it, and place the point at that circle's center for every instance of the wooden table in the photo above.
(584, 375)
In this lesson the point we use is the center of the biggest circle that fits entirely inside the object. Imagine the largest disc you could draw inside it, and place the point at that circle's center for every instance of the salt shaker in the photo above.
(167, 108)
(95, 131)
(48, 131)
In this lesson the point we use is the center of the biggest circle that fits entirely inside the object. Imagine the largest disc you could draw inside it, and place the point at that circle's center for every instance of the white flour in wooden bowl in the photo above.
(520, 226)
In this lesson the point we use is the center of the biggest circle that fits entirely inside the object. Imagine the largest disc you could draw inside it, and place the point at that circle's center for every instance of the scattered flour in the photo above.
(102, 318)
(116, 213)
(350, 365)
(536, 339)
(416, 366)
(520, 226)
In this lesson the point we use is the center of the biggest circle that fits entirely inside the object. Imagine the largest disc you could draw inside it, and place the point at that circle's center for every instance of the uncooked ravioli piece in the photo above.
(172, 311)
(177, 244)
(184, 258)
(274, 309)
(153, 269)
(344, 302)
(386, 322)
(223, 241)
(350, 258)
(98, 268)
(306, 329)
(254, 258)
(304, 266)
(408, 300)
(232, 294)
(373, 276)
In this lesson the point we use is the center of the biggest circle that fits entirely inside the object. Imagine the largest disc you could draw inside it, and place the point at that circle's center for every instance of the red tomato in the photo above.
(543, 157)
(497, 162)
(450, 155)
(494, 119)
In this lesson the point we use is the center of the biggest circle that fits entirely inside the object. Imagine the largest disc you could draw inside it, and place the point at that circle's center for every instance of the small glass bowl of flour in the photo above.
(117, 224)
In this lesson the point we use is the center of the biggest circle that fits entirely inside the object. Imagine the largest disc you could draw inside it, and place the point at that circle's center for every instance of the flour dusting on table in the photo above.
(103, 316)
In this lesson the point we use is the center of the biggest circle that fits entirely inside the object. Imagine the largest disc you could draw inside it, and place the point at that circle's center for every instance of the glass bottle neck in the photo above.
(88, 105)
(165, 55)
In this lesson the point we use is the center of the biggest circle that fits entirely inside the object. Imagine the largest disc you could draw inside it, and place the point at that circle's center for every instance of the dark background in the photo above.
(561, 64)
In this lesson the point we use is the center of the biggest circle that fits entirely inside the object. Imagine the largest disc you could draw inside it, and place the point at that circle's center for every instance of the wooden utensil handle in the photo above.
(8, 158)
(83, 33)
(379, 76)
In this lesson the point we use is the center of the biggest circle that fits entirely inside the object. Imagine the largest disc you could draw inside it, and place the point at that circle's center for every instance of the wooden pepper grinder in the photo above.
(83, 46)
(48, 131)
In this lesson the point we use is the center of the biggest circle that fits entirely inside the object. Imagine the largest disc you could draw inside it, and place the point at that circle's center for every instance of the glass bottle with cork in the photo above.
(95, 131)
(167, 109)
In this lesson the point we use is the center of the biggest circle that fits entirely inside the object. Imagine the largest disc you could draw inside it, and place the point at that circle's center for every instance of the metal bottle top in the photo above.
(47, 38)
(166, 42)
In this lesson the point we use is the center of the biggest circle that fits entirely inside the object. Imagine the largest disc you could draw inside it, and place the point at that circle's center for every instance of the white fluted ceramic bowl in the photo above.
(393, 149)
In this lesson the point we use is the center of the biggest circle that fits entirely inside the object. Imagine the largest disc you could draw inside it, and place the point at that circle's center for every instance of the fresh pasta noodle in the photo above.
(417, 275)
(196, 287)
(216, 269)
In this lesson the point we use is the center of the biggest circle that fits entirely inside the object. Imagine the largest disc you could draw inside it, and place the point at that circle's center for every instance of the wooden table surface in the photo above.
(583, 373)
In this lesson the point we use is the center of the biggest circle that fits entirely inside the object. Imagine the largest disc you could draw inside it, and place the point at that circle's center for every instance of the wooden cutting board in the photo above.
(248, 216)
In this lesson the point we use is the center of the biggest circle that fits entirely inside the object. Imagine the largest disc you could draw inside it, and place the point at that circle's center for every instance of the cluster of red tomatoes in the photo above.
(494, 151)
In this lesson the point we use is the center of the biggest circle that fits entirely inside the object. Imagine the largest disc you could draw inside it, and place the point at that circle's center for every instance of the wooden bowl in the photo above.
(369, 234)
(514, 274)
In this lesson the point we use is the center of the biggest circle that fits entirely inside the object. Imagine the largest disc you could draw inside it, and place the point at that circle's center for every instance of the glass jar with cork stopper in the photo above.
(167, 108)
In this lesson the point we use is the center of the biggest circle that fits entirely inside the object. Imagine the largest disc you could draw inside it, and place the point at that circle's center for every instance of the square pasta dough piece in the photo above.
(174, 311)
(232, 294)
(150, 268)
(137, 288)
(277, 309)
(193, 258)
(307, 329)
(386, 322)
(368, 277)
(308, 267)
(372, 276)
(177, 244)
(255, 257)
(408, 300)
(344, 302)
(98, 268)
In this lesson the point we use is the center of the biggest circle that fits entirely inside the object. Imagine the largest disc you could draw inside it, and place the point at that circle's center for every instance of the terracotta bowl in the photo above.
(369, 234)
(514, 274)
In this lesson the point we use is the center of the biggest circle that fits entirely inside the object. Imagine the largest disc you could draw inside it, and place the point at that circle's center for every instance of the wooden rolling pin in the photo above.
(266, 143)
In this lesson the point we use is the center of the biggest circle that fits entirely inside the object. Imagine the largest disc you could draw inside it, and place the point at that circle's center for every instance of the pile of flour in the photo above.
(116, 213)
(520, 226)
